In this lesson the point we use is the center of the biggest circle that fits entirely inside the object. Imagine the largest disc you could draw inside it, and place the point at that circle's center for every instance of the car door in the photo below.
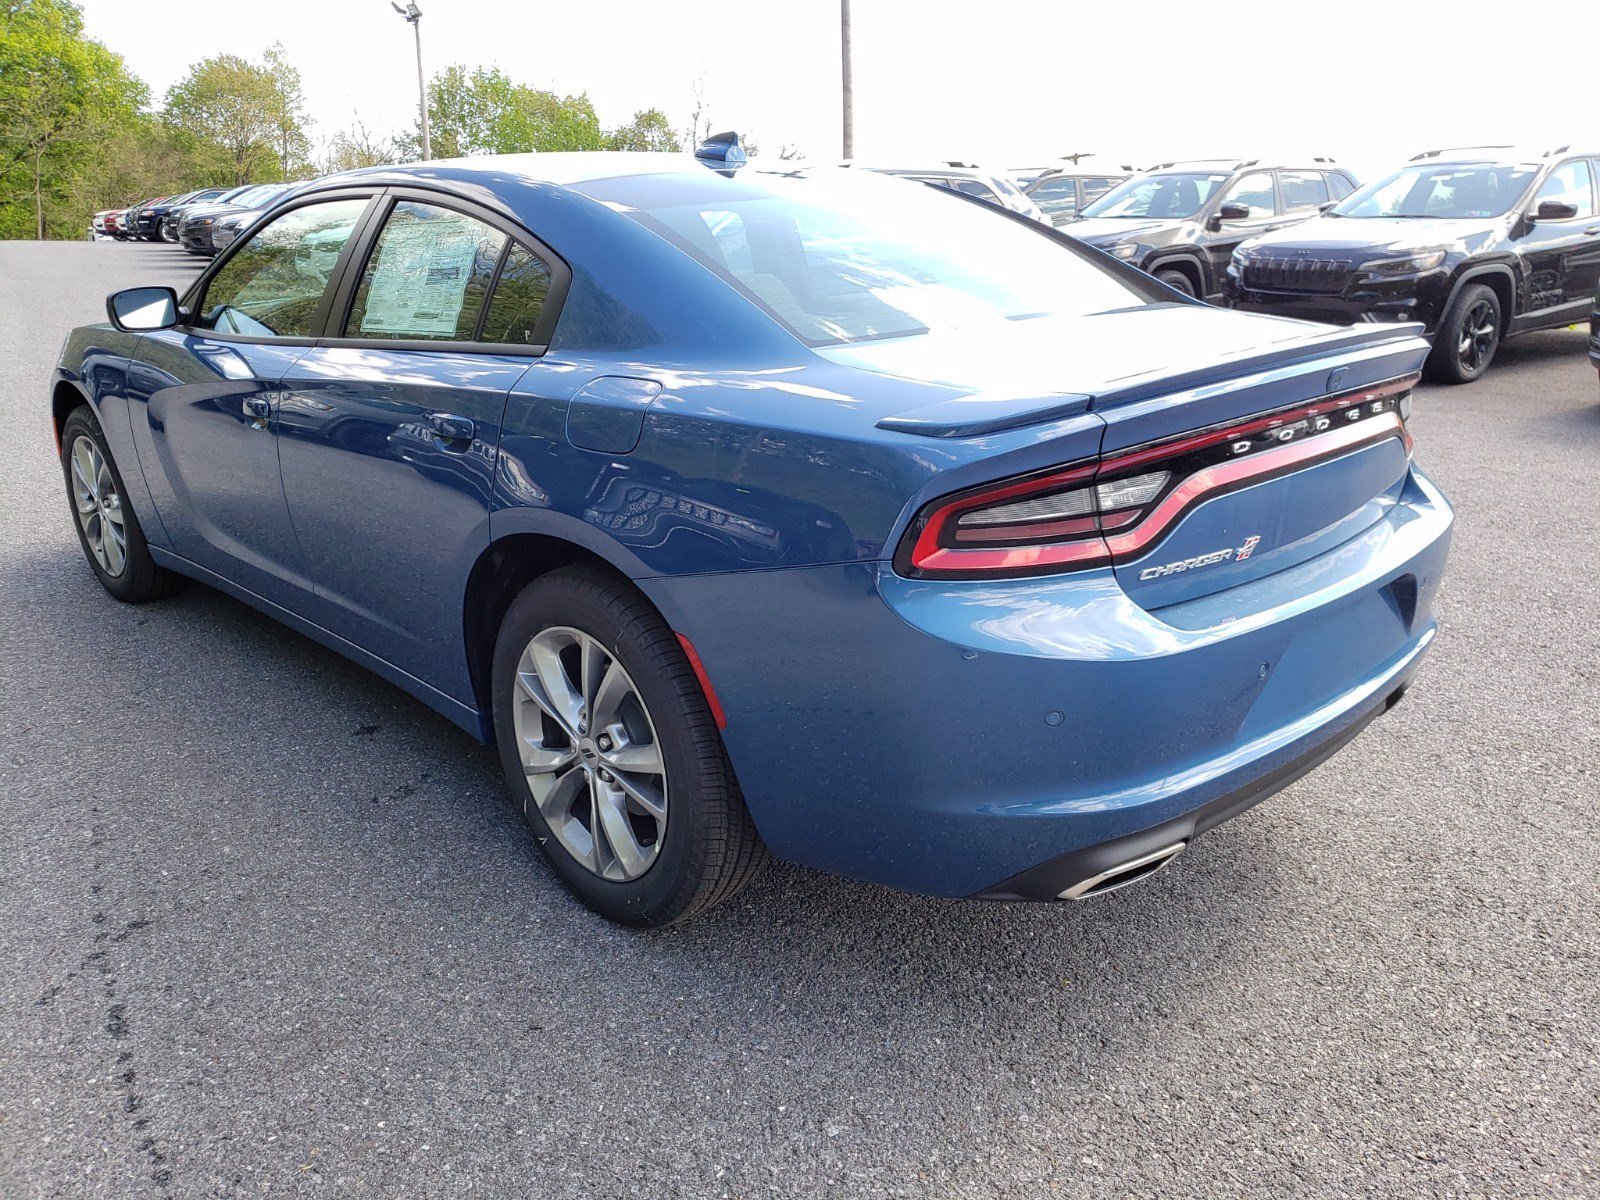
(1561, 257)
(204, 397)
(390, 428)
(1256, 191)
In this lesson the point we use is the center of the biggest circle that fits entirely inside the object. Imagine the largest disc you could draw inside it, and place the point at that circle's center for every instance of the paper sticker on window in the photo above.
(427, 261)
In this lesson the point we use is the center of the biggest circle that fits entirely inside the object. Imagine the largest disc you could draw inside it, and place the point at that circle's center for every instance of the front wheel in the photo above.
(1468, 336)
(612, 753)
(1178, 281)
(108, 528)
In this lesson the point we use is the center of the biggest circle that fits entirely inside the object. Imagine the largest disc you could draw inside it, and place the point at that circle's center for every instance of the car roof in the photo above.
(565, 169)
(1502, 154)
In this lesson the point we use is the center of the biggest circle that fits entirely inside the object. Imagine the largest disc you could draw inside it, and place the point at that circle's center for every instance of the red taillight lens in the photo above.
(1094, 514)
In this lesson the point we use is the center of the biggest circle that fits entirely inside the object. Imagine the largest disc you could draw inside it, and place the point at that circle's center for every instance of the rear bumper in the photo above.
(1009, 738)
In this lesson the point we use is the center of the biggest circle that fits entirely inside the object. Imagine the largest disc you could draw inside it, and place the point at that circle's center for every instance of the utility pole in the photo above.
(413, 16)
(846, 80)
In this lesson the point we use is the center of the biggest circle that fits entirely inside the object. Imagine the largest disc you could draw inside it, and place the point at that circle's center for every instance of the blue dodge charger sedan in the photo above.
(810, 513)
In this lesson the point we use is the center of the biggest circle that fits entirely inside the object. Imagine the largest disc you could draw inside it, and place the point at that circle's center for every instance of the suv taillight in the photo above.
(1098, 513)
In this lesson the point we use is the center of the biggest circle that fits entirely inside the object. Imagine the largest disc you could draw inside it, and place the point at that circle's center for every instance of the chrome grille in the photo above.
(1322, 275)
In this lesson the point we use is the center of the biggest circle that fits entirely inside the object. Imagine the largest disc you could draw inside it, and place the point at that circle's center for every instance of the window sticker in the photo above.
(423, 269)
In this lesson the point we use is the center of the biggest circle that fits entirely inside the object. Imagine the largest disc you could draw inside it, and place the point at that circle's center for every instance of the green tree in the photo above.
(648, 130)
(357, 147)
(231, 109)
(61, 94)
(289, 118)
(485, 111)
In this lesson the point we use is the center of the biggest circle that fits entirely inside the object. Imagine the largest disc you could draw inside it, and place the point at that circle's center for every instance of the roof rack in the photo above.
(1454, 150)
(1557, 150)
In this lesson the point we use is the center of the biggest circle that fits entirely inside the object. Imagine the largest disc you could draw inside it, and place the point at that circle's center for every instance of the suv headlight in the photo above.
(1411, 264)
(1123, 250)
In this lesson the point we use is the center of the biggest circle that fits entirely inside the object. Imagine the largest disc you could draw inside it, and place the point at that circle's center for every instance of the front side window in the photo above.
(274, 283)
(1254, 191)
(1339, 186)
(1171, 196)
(837, 257)
(427, 277)
(1443, 190)
(1569, 184)
(1057, 197)
(1095, 186)
(1302, 190)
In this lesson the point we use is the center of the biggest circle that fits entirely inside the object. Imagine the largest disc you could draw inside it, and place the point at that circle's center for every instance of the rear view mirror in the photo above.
(1555, 210)
(141, 309)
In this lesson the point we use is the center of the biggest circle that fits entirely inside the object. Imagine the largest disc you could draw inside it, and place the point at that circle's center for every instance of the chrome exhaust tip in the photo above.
(1123, 874)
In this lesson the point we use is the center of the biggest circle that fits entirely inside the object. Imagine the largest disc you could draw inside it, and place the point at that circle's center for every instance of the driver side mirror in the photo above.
(142, 309)
(1555, 210)
(1326, 206)
(1228, 212)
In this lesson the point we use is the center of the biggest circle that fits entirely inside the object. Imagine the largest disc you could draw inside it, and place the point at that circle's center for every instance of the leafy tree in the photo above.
(60, 94)
(232, 109)
(648, 130)
(485, 111)
(288, 111)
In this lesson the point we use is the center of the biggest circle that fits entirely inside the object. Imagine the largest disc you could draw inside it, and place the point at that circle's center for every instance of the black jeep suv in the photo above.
(1476, 244)
(1181, 221)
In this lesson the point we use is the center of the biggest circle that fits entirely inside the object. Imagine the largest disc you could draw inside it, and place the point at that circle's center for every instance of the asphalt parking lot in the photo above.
(269, 927)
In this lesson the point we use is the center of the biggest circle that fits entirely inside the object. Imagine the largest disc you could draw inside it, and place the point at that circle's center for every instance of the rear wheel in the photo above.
(1468, 336)
(108, 529)
(610, 748)
(1177, 280)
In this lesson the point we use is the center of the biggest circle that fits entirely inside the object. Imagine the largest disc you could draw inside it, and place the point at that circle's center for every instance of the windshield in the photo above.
(845, 256)
(1442, 190)
(1170, 197)
(258, 196)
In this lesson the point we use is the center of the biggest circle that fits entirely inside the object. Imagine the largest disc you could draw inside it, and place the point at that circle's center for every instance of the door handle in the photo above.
(259, 410)
(452, 428)
(1591, 231)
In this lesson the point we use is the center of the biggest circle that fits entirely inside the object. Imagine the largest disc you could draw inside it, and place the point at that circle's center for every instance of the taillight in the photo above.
(1098, 513)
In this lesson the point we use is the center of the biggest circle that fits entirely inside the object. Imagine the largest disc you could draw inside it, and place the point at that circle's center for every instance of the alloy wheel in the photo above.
(99, 507)
(590, 754)
(1479, 333)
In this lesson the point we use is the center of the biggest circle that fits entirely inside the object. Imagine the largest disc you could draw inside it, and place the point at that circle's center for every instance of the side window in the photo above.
(518, 299)
(1339, 186)
(1302, 190)
(1254, 190)
(1058, 197)
(427, 277)
(1094, 188)
(974, 188)
(273, 284)
(1570, 183)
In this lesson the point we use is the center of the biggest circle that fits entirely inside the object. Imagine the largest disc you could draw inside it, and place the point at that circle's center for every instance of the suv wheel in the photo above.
(1177, 280)
(1468, 336)
(613, 755)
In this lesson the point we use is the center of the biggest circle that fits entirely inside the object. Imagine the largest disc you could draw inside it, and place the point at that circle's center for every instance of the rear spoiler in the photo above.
(982, 413)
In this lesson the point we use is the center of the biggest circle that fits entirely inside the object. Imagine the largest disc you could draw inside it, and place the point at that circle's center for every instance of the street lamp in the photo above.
(413, 15)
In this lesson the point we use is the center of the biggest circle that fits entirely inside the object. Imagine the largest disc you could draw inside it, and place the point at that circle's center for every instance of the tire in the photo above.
(1178, 281)
(1468, 337)
(674, 842)
(100, 509)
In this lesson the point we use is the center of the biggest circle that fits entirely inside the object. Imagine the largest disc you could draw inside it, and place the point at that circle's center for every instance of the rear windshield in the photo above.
(839, 256)
(1168, 197)
(1442, 190)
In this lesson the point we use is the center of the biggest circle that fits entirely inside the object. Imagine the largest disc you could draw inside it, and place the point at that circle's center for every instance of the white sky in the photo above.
(1008, 82)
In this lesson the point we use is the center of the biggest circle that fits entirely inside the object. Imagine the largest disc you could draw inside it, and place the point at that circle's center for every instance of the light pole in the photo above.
(846, 81)
(413, 16)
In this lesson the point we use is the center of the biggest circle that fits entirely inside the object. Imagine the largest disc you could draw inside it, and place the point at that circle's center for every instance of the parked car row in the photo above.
(1474, 243)
(201, 221)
